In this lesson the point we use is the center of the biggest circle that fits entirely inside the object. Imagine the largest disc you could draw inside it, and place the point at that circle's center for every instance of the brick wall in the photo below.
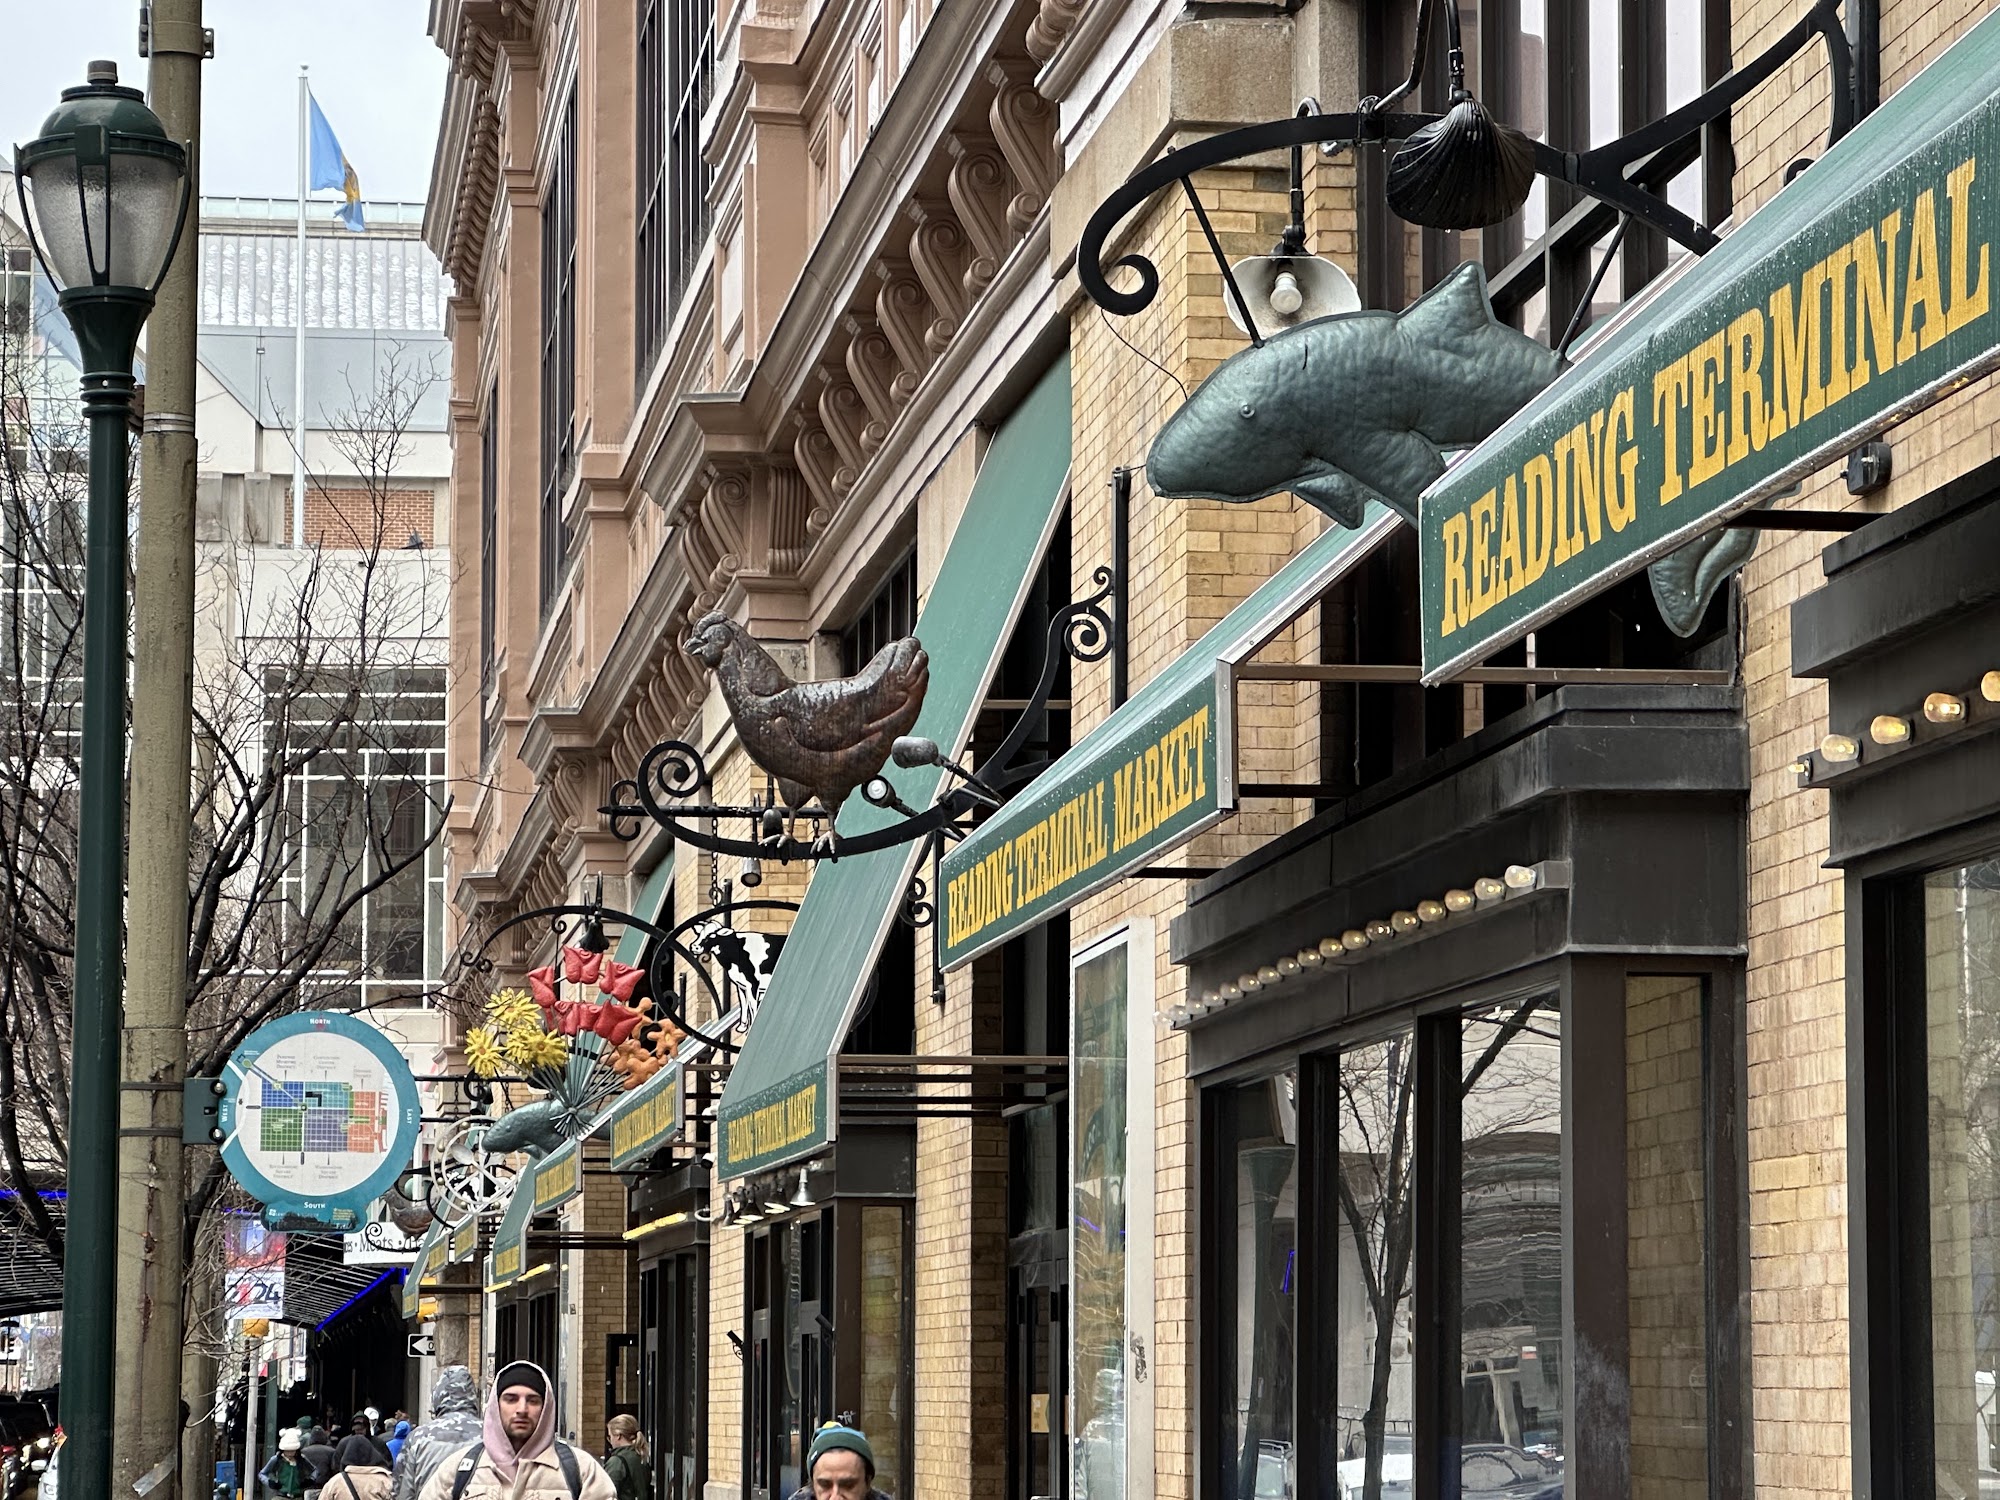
(373, 519)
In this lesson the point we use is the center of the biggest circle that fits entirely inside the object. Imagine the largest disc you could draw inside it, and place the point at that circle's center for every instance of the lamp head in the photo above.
(109, 189)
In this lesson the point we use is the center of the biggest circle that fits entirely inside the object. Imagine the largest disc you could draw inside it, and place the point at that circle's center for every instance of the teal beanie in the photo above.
(833, 1436)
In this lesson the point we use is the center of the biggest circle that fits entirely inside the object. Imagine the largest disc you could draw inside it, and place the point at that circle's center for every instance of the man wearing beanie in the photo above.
(840, 1466)
(517, 1456)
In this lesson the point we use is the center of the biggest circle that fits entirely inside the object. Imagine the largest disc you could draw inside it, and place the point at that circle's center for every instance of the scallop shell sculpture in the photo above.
(1463, 172)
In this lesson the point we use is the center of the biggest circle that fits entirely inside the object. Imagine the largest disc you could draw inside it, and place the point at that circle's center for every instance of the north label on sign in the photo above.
(1856, 297)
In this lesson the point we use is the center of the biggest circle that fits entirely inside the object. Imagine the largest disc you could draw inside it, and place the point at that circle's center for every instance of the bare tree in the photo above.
(317, 792)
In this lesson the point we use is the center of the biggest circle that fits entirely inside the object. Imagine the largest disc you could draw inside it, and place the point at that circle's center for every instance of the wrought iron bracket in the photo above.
(673, 777)
(1605, 172)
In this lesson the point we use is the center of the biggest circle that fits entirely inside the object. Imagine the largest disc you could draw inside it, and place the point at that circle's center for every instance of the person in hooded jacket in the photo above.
(517, 1455)
(358, 1472)
(455, 1424)
(397, 1439)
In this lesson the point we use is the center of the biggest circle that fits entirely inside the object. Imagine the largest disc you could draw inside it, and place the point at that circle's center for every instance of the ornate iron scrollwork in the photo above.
(673, 777)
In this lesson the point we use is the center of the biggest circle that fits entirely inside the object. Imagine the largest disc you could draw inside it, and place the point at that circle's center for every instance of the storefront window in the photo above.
(883, 1294)
(1376, 1235)
(1099, 1084)
(1510, 1340)
(1962, 989)
(1258, 1281)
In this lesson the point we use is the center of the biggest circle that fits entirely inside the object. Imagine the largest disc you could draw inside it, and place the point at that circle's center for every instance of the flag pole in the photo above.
(299, 333)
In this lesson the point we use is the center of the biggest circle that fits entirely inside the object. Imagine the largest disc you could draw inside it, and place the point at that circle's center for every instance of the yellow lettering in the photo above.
(1484, 593)
(1706, 440)
(1796, 393)
(1511, 571)
(1968, 301)
(1670, 394)
(1875, 298)
(1457, 600)
(1746, 385)
(1538, 516)
(1621, 502)
(1921, 293)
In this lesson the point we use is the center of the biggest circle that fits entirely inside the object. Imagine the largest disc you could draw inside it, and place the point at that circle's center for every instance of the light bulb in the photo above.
(1286, 298)
(1249, 984)
(1268, 974)
(1353, 940)
(1888, 729)
(1430, 911)
(1288, 968)
(1839, 749)
(1944, 708)
(1486, 888)
(1520, 878)
(1459, 900)
(1379, 930)
(1989, 687)
(1229, 992)
(1404, 921)
(1177, 1015)
(1312, 958)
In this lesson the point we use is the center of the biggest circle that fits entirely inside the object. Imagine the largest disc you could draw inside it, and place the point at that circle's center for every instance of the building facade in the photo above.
(1563, 1077)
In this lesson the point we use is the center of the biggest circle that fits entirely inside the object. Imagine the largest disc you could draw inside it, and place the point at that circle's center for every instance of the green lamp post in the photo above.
(104, 194)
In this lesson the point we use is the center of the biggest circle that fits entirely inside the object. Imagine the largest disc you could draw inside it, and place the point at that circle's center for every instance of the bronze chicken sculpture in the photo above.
(816, 739)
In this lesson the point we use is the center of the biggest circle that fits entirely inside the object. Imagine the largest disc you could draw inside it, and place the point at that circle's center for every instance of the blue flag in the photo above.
(327, 167)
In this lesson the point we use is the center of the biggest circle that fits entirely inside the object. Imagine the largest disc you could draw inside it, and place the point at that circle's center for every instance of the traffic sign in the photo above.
(421, 1345)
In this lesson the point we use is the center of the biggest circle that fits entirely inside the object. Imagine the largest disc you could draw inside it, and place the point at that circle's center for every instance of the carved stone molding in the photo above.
(841, 414)
(723, 518)
(1024, 127)
(1054, 20)
(980, 189)
(871, 365)
(904, 313)
(939, 252)
(791, 520)
(813, 450)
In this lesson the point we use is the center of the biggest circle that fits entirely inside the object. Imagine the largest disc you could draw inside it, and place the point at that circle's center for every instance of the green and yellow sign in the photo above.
(1858, 295)
(509, 1256)
(778, 1125)
(558, 1177)
(464, 1240)
(414, 1277)
(1087, 821)
(647, 1118)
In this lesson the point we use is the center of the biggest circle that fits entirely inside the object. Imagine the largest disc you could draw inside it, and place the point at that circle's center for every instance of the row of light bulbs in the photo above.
(1946, 710)
(1487, 891)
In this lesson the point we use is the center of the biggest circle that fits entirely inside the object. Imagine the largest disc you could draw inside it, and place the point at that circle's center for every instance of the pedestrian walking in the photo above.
(840, 1466)
(317, 1456)
(358, 1472)
(396, 1440)
(283, 1474)
(455, 1423)
(626, 1459)
(517, 1455)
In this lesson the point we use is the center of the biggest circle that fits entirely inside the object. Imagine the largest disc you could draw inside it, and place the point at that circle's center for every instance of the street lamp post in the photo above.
(105, 194)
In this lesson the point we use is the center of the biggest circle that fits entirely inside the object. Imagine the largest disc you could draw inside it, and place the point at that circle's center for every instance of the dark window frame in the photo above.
(489, 553)
(676, 65)
(889, 614)
(1591, 992)
(558, 353)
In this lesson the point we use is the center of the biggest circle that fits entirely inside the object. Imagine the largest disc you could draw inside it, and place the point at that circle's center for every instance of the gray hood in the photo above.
(455, 1391)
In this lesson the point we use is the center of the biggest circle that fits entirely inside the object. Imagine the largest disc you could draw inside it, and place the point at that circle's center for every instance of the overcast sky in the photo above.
(376, 74)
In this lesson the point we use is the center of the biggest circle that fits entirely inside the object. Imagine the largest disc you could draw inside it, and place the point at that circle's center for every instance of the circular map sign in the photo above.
(320, 1114)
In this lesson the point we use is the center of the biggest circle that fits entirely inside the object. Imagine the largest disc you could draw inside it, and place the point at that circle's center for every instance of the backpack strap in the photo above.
(572, 1471)
(466, 1466)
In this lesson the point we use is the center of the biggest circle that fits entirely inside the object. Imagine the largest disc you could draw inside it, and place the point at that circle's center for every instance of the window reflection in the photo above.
(1259, 1275)
(1377, 1242)
(1962, 986)
(1099, 1230)
(1510, 1341)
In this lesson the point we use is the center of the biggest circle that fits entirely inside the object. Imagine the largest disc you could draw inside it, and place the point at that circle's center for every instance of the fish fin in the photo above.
(1339, 494)
(1395, 466)
(1456, 305)
(1687, 578)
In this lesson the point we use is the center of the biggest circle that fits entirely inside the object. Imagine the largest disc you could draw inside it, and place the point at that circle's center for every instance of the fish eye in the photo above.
(1247, 411)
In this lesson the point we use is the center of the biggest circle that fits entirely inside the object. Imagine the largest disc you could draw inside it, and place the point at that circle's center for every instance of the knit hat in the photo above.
(522, 1373)
(832, 1437)
(289, 1440)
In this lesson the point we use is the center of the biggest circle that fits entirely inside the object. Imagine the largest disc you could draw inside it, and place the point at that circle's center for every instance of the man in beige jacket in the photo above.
(518, 1455)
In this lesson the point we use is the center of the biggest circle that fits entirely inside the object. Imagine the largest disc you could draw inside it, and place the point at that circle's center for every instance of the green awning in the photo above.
(647, 1118)
(1155, 773)
(464, 1241)
(652, 898)
(508, 1258)
(777, 1107)
(414, 1277)
(557, 1178)
(1859, 294)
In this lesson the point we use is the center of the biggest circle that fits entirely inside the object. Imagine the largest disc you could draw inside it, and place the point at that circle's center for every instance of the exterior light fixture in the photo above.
(1520, 878)
(752, 874)
(1839, 749)
(1429, 910)
(1249, 984)
(1310, 958)
(1404, 921)
(1888, 729)
(1486, 888)
(1989, 687)
(1379, 931)
(1288, 968)
(1944, 708)
(1353, 940)
(1229, 992)
(1177, 1015)
(1333, 947)
(1459, 900)
(1268, 975)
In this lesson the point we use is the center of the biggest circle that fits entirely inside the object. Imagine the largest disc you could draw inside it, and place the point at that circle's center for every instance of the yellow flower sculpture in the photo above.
(482, 1051)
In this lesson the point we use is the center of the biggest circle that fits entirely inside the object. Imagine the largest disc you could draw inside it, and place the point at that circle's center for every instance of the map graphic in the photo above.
(319, 1109)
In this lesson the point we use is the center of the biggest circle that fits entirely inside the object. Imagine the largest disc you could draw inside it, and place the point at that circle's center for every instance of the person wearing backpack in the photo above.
(626, 1461)
(358, 1472)
(517, 1456)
